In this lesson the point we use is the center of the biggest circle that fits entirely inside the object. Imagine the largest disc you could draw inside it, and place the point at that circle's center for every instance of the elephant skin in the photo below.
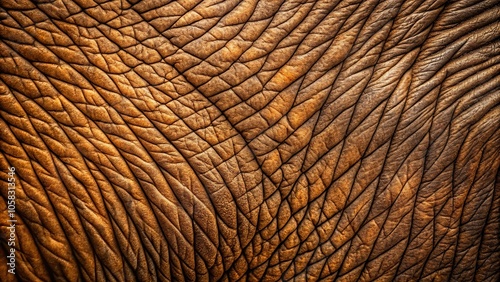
(251, 140)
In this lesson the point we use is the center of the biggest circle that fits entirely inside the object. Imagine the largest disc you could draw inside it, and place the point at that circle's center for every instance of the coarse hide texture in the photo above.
(213, 140)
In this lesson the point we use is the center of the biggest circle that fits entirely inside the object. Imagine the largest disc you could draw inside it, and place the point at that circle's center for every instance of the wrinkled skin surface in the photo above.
(255, 140)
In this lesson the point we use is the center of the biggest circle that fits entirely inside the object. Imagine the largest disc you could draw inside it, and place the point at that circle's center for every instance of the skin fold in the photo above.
(251, 140)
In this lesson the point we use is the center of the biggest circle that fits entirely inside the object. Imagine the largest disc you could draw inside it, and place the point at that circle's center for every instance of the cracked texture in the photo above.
(252, 140)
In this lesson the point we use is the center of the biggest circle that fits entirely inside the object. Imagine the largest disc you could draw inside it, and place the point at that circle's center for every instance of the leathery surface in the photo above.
(251, 140)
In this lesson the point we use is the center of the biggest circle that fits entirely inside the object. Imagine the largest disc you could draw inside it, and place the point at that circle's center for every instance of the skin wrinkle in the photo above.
(34, 257)
(261, 141)
(387, 240)
(42, 178)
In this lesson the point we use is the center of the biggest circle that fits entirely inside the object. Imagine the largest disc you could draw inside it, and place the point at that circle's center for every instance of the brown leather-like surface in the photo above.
(251, 140)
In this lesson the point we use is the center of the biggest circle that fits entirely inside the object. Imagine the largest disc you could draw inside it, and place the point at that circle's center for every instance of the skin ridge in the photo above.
(251, 140)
